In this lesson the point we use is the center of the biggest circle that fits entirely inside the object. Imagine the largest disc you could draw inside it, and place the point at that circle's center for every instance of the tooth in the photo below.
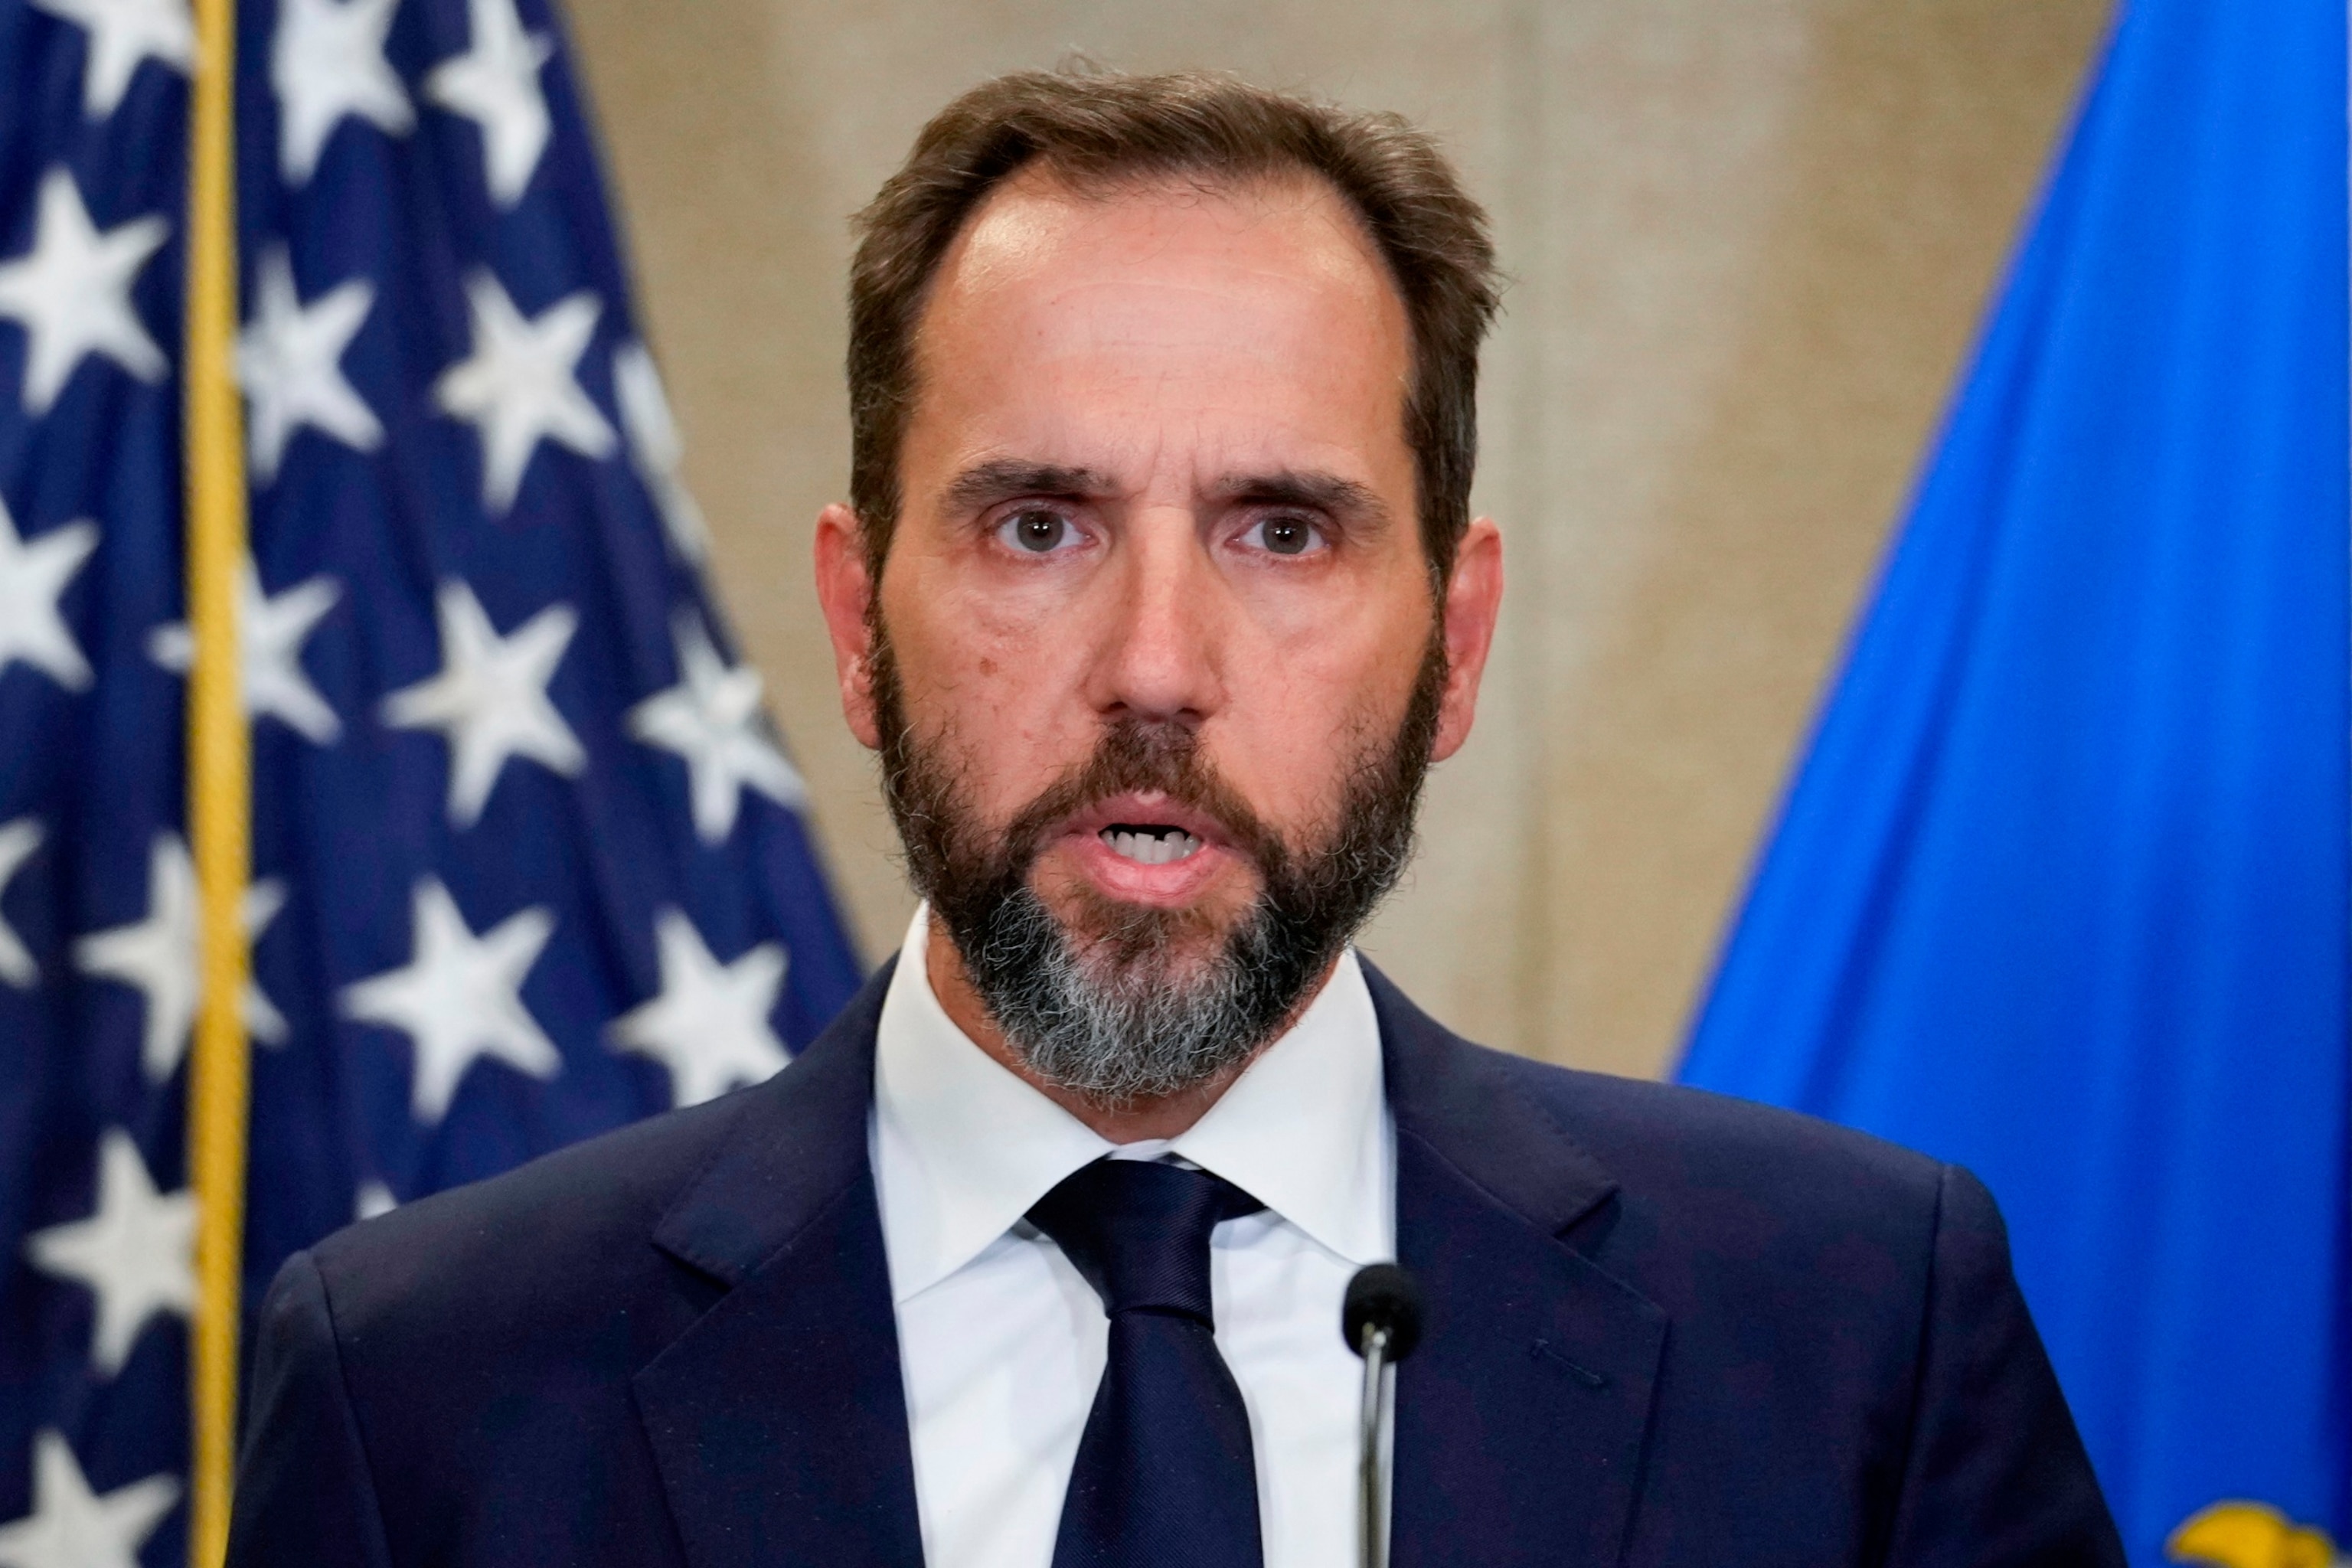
(1150, 845)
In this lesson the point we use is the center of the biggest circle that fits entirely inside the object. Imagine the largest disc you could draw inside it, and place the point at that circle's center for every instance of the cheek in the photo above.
(989, 679)
(1305, 710)
(968, 623)
(956, 649)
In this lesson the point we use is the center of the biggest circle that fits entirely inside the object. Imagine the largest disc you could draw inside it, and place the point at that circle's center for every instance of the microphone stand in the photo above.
(1381, 1321)
(1372, 1489)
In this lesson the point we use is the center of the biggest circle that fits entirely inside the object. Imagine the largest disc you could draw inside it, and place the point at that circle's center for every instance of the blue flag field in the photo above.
(2061, 890)
(528, 861)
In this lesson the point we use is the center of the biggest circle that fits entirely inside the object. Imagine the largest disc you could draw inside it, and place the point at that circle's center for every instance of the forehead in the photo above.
(1237, 316)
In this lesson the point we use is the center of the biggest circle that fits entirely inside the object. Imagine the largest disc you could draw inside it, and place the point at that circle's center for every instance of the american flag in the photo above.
(528, 861)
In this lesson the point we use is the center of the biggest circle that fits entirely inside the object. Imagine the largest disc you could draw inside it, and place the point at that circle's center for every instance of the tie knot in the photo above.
(1138, 1231)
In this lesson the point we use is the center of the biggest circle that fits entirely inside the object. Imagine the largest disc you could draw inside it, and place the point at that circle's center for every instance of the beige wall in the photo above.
(1751, 240)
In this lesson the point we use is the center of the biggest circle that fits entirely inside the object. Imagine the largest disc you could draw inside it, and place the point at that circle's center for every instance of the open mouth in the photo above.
(1149, 843)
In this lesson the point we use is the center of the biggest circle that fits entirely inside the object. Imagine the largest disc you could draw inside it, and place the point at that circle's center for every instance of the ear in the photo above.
(844, 589)
(1474, 598)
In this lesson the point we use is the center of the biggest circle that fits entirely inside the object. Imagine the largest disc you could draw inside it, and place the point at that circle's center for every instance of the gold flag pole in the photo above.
(219, 787)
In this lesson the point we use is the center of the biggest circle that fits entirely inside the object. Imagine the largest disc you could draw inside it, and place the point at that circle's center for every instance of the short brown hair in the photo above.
(1092, 127)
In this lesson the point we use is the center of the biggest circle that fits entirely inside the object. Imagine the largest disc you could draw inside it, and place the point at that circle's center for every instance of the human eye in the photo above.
(1038, 530)
(1285, 533)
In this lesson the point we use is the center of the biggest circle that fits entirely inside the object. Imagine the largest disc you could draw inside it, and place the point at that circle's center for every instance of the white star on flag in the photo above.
(657, 450)
(459, 998)
(710, 1025)
(495, 85)
(18, 841)
(73, 1527)
(289, 360)
(72, 292)
(160, 956)
(33, 578)
(712, 719)
(490, 699)
(136, 1252)
(327, 65)
(121, 33)
(521, 386)
(271, 631)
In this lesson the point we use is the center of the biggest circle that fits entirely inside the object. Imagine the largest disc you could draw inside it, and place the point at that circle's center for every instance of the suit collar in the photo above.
(1460, 1100)
(798, 1142)
(1521, 1420)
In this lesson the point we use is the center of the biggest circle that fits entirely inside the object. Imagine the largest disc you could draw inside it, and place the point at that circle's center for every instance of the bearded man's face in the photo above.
(1120, 1001)
(1156, 661)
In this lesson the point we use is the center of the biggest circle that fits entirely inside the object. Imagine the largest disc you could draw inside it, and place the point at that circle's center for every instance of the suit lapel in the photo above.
(778, 1419)
(1520, 1420)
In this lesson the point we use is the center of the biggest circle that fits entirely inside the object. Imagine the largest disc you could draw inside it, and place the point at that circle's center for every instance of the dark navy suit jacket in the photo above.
(1665, 1327)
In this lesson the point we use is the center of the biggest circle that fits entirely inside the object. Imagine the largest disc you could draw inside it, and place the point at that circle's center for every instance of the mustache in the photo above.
(1144, 756)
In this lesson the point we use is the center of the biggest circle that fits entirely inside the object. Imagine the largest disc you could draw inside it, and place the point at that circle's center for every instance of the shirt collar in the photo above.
(964, 1147)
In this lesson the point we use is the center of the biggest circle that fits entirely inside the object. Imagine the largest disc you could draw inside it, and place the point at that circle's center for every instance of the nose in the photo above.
(1161, 656)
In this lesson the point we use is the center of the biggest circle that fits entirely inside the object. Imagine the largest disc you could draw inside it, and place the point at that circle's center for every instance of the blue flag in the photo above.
(528, 861)
(2060, 891)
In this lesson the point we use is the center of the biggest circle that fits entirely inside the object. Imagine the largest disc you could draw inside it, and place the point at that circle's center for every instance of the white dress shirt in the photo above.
(1003, 1343)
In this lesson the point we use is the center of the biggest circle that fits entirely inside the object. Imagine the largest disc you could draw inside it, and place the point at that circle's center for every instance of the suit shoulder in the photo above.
(1665, 1138)
(578, 1215)
(1660, 1143)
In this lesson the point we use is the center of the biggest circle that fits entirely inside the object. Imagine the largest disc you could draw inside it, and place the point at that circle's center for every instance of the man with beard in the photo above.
(1158, 595)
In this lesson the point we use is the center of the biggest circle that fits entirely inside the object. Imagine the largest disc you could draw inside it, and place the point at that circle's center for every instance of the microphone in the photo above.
(1380, 1320)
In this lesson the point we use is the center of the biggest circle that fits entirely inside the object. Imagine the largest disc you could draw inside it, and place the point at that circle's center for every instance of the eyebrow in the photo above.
(984, 484)
(1323, 492)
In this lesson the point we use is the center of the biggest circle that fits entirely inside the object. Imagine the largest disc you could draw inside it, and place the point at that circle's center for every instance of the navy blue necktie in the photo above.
(1165, 1477)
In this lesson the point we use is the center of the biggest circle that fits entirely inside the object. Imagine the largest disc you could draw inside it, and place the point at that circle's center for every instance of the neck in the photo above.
(1119, 1121)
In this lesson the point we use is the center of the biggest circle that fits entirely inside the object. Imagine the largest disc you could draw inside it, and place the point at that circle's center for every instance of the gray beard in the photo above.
(1115, 1033)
